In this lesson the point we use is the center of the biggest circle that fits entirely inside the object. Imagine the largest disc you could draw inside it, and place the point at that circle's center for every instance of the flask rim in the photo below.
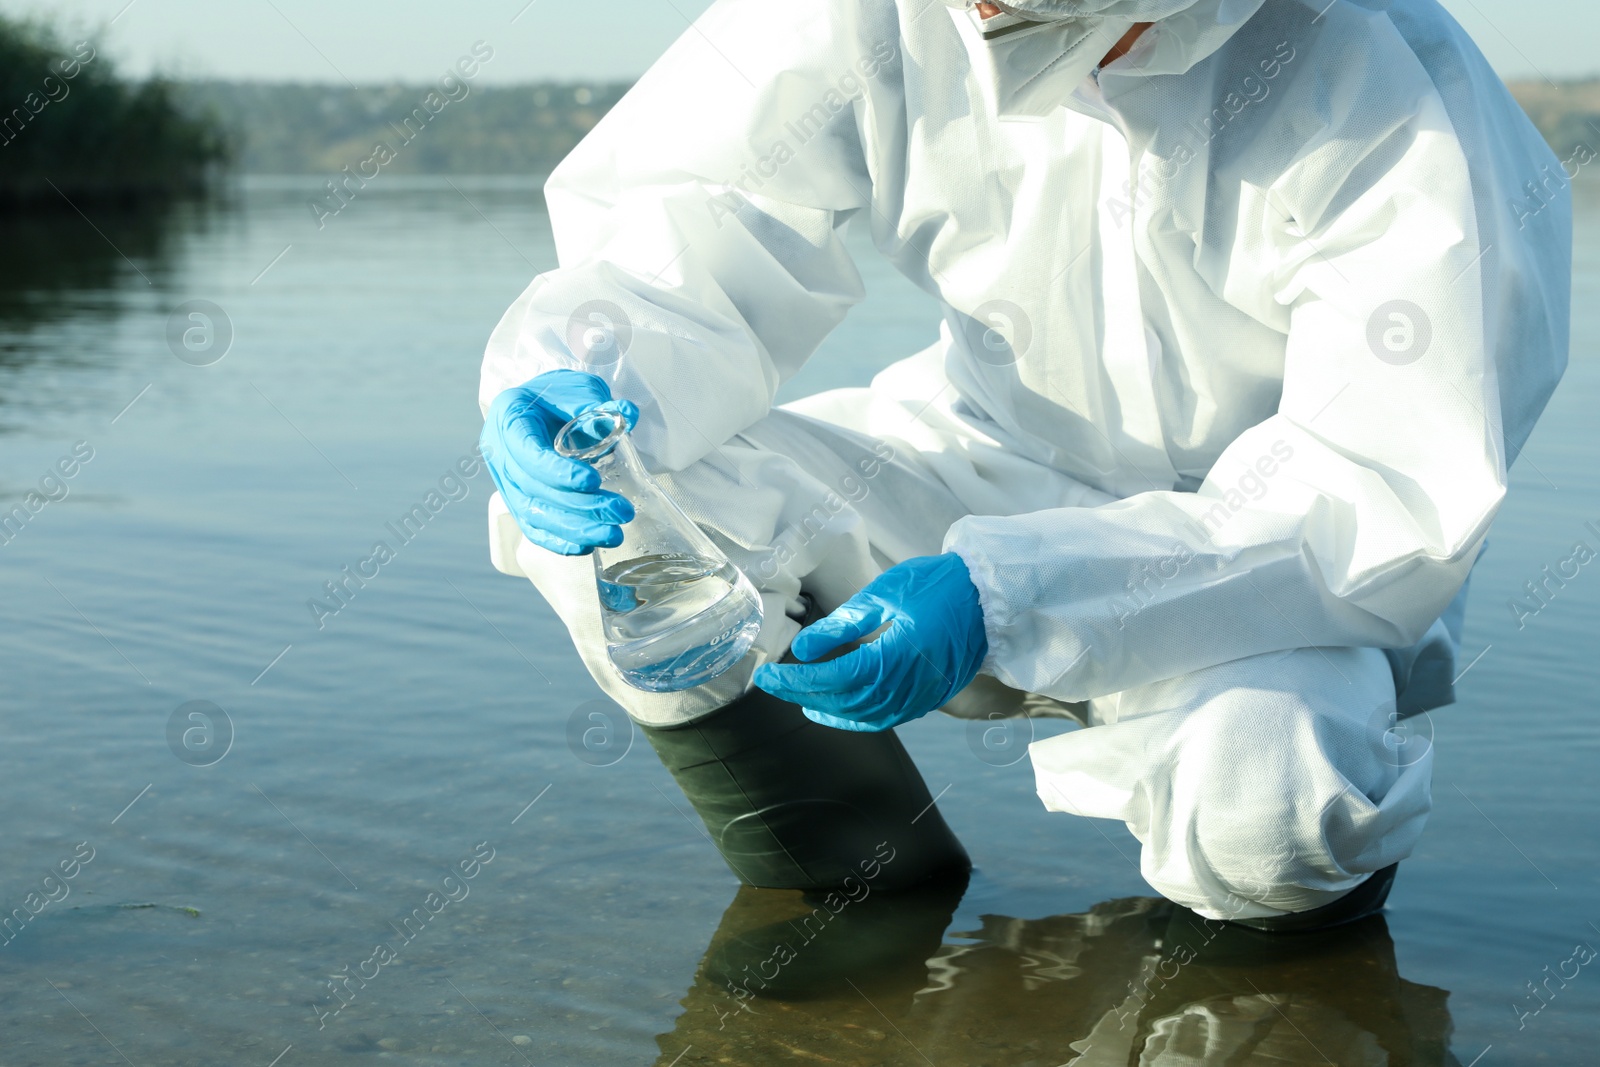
(591, 434)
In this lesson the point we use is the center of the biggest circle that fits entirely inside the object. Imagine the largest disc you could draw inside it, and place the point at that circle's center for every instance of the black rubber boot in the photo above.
(1365, 899)
(794, 805)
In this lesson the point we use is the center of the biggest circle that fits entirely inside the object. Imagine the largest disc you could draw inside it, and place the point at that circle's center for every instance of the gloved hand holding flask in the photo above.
(675, 611)
(558, 502)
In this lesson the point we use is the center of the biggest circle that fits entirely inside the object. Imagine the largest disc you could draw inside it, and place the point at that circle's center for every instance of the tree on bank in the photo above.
(69, 127)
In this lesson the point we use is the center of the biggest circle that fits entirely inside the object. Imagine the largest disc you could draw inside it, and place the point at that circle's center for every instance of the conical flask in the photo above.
(675, 610)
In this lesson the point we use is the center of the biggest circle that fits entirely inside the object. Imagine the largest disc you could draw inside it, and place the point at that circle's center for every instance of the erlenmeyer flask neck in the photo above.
(599, 437)
(592, 435)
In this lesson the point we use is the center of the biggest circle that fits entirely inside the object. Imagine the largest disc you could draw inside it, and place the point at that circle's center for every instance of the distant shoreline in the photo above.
(308, 128)
(1566, 113)
(299, 128)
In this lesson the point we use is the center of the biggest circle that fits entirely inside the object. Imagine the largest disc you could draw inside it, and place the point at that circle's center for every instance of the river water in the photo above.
(240, 830)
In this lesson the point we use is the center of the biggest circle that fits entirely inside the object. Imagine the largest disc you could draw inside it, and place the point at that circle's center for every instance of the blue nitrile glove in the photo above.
(557, 501)
(933, 647)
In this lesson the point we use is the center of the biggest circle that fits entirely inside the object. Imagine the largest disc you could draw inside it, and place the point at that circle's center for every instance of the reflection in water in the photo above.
(798, 978)
(59, 263)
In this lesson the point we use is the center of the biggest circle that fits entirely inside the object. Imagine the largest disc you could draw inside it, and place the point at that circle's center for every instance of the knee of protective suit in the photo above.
(1280, 806)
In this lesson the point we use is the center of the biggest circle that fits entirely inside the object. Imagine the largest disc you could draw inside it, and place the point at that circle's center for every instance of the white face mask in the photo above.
(1033, 64)
(1033, 75)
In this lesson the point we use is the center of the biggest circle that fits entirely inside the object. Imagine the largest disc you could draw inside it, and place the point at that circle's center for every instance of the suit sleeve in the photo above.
(1353, 515)
(697, 225)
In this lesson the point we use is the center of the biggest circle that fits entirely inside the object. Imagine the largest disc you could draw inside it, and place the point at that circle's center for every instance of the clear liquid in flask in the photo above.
(674, 621)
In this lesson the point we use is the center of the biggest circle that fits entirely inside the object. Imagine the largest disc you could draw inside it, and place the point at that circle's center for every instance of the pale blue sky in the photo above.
(413, 40)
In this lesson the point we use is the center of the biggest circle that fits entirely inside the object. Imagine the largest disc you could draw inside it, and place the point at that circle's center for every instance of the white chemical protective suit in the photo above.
(1240, 335)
